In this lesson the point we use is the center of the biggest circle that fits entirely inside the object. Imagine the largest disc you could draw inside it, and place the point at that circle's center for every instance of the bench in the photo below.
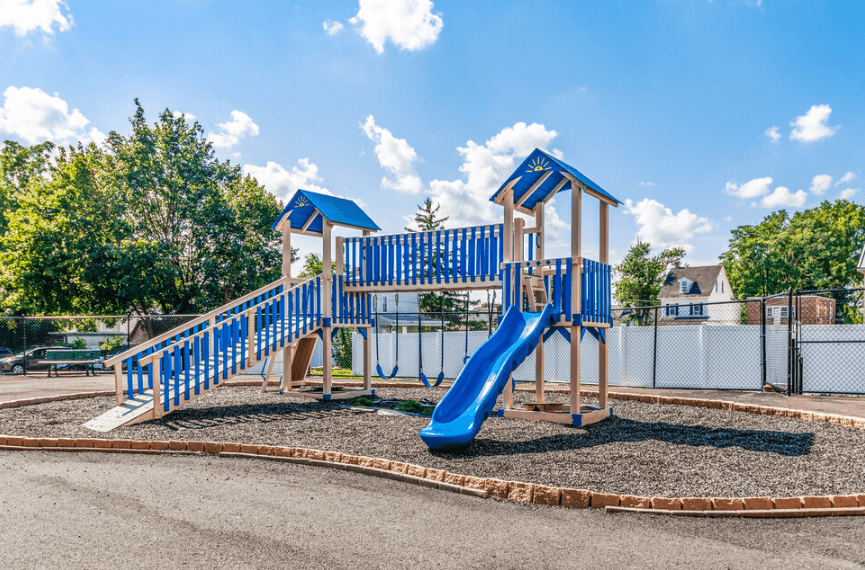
(55, 357)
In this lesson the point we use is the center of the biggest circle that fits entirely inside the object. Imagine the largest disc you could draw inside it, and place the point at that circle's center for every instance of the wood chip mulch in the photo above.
(645, 449)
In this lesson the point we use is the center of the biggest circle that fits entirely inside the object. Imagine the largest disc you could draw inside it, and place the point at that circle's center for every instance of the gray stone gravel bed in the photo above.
(645, 449)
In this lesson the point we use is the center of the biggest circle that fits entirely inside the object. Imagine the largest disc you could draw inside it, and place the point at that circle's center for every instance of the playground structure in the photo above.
(283, 320)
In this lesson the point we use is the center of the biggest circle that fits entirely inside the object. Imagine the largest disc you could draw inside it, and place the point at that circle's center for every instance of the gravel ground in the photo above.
(645, 449)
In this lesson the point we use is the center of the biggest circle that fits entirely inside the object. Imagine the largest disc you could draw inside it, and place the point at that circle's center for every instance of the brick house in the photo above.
(812, 310)
(686, 290)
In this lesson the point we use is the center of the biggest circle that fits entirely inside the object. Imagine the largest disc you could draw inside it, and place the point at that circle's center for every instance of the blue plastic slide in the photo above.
(458, 417)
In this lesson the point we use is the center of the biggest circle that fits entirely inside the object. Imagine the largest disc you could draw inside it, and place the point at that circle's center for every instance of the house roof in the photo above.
(541, 176)
(703, 277)
(306, 211)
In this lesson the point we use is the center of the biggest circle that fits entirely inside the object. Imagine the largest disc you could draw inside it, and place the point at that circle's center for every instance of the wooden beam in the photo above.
(286, 252)
(603, 352)
(340, 255)
(315, 214)
(509, 226)
(539, 351)
(534, 187)
(555, 191)
(500, 199)
(326, 281)
(590, 191)
(284, 220)
(519, 224)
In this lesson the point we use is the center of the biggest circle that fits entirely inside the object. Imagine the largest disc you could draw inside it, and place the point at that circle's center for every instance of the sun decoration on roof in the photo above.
(301, 202)
(539, 164)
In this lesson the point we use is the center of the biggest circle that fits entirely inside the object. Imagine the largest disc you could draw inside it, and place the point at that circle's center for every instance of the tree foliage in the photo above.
(814, 249)
(152, 222)
(641, 276)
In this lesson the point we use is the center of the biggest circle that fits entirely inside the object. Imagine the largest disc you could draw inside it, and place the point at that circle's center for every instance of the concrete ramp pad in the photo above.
(133, 410)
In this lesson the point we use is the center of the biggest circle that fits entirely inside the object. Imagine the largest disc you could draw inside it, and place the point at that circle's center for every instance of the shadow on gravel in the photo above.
(617, 430)
(185, 419)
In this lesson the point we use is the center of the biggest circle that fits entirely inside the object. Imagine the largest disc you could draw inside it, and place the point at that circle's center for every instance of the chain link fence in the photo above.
(736, 345)
(24, 340)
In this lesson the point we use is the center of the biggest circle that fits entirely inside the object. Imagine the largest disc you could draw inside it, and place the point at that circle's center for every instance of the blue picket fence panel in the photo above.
(462, 255)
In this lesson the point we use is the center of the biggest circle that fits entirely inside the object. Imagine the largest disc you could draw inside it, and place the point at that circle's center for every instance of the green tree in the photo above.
(153, 222)
(814, 249)
(640, 278)
(426, 219)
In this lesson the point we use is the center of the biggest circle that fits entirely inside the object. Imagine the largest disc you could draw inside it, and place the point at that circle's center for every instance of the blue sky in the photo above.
(700, 116)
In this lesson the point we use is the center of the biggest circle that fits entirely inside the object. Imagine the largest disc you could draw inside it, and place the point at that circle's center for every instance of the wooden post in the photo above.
(367, 361)
(118, 382)
(509, 227)
(286, 247)
(576, 268)
(157, 392)
(603, 257)
(326, 280)
(539, 352)
(519, 229)
(250, 338)
(508, 393)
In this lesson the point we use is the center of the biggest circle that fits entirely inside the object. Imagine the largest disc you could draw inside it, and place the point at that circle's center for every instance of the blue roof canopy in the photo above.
(541, 176)
(307, 210)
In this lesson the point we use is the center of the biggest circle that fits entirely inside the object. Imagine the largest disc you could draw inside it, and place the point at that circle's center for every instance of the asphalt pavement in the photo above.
(94, 511)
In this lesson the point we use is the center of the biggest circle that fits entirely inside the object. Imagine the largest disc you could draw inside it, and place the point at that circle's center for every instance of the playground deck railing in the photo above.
(197, 357)
(437, 259)
(557, 276)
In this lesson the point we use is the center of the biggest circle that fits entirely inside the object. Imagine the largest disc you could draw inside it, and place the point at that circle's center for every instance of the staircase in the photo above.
(189, 361)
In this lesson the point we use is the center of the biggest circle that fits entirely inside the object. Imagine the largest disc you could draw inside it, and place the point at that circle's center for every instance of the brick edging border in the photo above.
(805, 506)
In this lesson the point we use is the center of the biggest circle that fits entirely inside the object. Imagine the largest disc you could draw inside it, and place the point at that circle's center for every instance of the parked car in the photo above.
(98, 366)
(17, 363)
(4, 352)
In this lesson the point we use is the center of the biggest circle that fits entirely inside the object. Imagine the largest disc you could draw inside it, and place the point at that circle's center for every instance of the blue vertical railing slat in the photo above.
(186, 370)
(463, 254)
(446, 258)
(421, 257)
(455, 256)
(205, 358)
(438, 256)
(175, 376)
(414, 259)
(472, 253)
(507, 282)
(481, 254)
(430, 257)
(557, 293)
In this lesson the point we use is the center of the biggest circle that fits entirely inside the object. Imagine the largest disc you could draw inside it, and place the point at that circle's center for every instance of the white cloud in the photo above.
(751, 189)
(283, 183)
(486, 166)
(189, 117)
(647, 184)
(849, 177)
(332, 28)
(820, 183)
(396, 156)
(848, 193)
(773, 134)
(232, 131)
(783, 197)
(410, 24)
(812, 126)
(30, 15)
(33, 116)
(659, 226)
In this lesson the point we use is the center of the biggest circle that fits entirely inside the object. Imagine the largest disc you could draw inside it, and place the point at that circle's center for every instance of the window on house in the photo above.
(384, 304)
(684, 286)
(784, 311)
(722, 286)
(672, 310)
(696, 310)
(770, 312)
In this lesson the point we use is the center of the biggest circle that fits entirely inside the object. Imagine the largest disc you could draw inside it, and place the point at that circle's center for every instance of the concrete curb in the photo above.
(515, 491)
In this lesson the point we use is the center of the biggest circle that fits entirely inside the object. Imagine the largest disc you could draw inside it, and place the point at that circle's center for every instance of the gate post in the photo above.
(763, 338)
(790, 354)
(655, 353)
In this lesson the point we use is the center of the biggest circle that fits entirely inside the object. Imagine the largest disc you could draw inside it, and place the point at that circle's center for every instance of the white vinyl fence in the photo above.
(702, 356)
